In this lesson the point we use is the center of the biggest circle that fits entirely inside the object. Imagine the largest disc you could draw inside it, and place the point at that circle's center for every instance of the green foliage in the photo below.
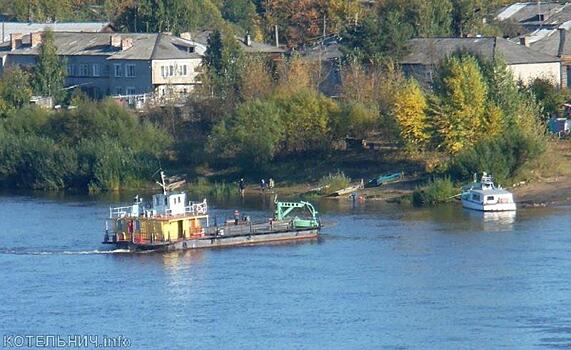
(252, 135)
(202, 187)
(334, 182)
(361, 119)
(306, 118)
(462, 91)
(15, 89)
(223, 61)
(437, 191)
(49, 72)
(505, 157)
(39, 10)
(549, 97)
(99, 146)
(168, 15)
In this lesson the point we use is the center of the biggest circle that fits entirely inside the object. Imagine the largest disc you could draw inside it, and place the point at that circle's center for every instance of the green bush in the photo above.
(435, 192)
(99, 146)
(504, 157)
(203, 187)
(333, 182)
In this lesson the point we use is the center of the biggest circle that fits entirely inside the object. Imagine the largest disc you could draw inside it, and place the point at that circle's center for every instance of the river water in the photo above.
(381, 276)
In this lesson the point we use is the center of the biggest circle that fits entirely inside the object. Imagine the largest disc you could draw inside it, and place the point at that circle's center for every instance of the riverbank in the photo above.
(547, 188)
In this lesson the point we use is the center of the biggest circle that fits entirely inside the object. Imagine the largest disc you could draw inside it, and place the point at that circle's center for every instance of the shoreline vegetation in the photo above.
(257, 117)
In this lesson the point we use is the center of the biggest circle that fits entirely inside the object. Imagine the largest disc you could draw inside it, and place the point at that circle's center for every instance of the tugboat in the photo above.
(486, 196)
(169, 222)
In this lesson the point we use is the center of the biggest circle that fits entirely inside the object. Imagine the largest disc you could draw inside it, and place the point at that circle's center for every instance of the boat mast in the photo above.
(163, 183)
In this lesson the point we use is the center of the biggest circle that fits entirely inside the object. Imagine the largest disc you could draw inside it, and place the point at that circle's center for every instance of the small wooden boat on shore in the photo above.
(170, 222)
(486, 196)
(345, 191)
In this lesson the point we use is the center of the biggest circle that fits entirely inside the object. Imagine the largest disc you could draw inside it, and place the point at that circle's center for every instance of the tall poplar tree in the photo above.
(49, 77)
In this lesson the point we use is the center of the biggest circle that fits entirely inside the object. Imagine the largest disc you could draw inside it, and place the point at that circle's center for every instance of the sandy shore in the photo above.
(555, 191)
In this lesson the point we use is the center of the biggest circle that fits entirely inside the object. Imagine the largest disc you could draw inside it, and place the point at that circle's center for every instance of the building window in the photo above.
(117, 70)
(183, 70)
(171, 71)
(130, 70)
(71, 70)
(130, 90)
(96, 70)
(163, 71)
(83, 70)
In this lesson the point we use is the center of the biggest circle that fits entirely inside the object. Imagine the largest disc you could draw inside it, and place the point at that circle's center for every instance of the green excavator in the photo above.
(284, 211)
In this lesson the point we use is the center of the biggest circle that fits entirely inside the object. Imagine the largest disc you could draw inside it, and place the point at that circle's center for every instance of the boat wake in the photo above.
(62, 252)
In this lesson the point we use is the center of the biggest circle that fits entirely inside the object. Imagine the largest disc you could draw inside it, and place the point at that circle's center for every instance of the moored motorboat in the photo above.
(170, 222)
(486, 196)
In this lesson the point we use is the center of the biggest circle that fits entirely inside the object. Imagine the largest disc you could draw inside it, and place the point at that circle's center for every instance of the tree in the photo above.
(223, 61)
(39, 10)
(256, 79)
(550, 97)
(15, 87)
(165, 15)
(462, 91)
(362, 119)
(297, 74)
(252, 134)
(307, 118)
(49, 74)
(410, 113)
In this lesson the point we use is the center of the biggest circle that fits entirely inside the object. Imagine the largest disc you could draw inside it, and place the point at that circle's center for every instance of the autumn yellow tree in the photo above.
(410, 114)
(256, 79)
(297, 74)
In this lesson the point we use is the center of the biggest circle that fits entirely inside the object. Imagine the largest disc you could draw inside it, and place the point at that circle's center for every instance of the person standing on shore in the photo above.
(242, 187)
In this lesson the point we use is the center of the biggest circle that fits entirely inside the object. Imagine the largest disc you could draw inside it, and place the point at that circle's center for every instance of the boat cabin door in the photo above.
(180, 229)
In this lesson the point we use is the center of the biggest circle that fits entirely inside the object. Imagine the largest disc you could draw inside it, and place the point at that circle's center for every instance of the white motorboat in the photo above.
(486, 196)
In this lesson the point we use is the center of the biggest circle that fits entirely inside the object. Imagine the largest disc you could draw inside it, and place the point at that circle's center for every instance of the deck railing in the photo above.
(121, 212)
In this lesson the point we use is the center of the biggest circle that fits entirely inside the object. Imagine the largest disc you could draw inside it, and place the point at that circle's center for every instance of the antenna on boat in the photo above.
(163, 183)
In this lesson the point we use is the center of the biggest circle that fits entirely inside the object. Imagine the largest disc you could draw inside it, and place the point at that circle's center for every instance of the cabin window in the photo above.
(475, 197)
(490, 198)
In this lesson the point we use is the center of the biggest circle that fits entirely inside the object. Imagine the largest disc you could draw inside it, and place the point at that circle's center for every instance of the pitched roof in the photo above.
(527, 13)
(428, 51)
(146, 46)
(26, 28)
(555, 42)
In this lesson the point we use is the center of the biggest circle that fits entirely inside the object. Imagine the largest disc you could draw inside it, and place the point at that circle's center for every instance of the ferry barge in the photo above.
(169, 222)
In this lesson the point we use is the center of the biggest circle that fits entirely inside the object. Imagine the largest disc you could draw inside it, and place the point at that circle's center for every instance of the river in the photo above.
(381, 276)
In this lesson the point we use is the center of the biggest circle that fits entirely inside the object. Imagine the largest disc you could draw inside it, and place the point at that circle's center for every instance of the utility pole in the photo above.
(324, 26)
(277, 36)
